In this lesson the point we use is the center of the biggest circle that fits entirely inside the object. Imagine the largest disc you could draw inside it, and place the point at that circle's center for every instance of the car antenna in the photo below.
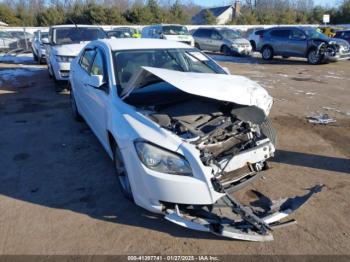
(73, 22)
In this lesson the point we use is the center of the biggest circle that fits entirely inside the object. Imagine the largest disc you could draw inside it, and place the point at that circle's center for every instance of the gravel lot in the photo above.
(59, 195)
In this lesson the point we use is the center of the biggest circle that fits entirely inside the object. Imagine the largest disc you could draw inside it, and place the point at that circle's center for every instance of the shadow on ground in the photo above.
(329, 163)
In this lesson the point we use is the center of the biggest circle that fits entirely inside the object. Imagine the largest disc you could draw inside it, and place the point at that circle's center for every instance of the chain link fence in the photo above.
(15, 41)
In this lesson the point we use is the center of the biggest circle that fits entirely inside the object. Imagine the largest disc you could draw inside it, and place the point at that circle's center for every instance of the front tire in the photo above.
(313, 58)
(196, 45)
(267, 53)
(122, 174)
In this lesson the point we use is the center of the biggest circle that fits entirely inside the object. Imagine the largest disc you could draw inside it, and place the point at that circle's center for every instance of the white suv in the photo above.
(183, 134)
(65, 43)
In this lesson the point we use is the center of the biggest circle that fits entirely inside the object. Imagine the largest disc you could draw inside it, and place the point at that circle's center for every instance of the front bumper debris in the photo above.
(228, 218)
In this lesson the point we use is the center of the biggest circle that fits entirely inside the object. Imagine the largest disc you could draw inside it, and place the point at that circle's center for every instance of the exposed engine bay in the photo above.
(219, 130)
(328, 49)
(234, 138)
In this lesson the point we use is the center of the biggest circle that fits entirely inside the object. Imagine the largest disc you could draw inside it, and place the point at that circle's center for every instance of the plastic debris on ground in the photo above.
(320, 119)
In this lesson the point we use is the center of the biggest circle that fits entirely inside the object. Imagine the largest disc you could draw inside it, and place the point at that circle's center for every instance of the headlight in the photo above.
(162, 160)
(235, 45)
(64, 59)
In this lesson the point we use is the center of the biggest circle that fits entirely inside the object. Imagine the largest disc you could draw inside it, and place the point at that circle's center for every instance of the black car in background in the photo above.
(305, 42)
(343, 34)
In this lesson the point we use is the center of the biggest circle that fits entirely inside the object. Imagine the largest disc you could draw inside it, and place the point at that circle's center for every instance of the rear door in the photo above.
(297, 43)
(215, 41)
(202, 36)
(279, 40)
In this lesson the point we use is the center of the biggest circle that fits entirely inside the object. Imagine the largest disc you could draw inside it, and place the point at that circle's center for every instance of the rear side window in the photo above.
(86, 59)
(202, 33)
(280, 33)
(259, 32)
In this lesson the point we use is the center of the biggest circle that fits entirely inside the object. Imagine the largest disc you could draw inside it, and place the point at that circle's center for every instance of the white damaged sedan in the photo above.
(182, 132)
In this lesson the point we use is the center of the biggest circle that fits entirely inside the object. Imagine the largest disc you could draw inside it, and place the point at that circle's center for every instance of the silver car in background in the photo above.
(224, 40)
(38, 46)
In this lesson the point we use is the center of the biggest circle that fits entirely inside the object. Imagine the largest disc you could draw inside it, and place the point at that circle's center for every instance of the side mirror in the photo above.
(45, 41)
(96, 81)
(227, 70)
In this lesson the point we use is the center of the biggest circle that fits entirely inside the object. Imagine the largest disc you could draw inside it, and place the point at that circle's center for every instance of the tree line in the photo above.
(138, 12)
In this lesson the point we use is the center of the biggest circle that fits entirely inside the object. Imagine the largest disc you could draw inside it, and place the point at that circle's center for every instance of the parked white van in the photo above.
(178, 33)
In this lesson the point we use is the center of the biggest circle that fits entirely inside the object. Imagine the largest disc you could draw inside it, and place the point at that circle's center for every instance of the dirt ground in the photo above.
(59, 195)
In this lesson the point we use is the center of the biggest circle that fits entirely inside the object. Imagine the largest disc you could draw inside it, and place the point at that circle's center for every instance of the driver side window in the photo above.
(86, 60)
(297, 34)
(98, 68)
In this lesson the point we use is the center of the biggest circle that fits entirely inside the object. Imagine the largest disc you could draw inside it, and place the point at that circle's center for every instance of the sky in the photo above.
(209, 3)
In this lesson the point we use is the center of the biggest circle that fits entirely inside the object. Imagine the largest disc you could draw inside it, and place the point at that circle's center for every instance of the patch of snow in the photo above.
(17, 59)
(12, 74)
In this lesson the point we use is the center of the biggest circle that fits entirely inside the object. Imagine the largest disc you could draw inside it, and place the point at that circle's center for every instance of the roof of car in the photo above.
(289, 27)
(71, 26)
(142, 43)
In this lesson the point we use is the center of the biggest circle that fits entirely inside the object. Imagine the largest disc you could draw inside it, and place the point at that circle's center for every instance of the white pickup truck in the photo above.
(65, 43)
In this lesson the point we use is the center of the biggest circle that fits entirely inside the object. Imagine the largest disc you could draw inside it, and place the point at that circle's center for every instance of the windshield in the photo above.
(74, 35)
(175, 30)
(120, 34)
(185, 60)
(313, 33)
(5, 35)
(230, 34)
(44, 35)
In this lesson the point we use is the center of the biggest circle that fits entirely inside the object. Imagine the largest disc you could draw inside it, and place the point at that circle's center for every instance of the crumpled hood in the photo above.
(229, 88)
(69, 50)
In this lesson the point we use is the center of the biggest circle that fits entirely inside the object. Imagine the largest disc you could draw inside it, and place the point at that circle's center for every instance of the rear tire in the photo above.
(267, 129)
(267, 53)
(285, 57)
(122, 174)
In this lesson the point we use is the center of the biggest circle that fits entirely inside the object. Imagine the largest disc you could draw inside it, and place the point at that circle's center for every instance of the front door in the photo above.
(97, 97)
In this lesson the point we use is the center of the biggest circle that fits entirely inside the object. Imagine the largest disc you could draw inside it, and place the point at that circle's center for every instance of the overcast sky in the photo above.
(210, 3)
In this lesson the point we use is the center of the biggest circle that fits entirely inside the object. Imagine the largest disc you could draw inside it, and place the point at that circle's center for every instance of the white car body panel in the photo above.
(229, 88)
(111, 118)
(70, 50)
